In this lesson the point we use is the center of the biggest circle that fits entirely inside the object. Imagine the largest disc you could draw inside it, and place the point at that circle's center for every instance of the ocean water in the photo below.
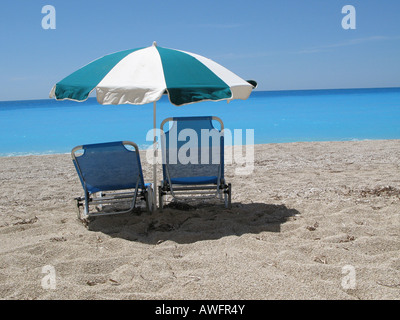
(49, 126)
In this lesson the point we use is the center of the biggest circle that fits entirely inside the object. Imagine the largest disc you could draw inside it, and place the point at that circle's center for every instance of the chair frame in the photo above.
(113, 196)
(195, 191)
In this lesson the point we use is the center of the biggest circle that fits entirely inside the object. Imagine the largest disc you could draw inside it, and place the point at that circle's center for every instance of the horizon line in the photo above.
(255, 90)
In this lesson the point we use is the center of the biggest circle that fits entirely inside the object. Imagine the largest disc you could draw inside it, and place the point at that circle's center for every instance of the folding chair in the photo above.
(112, 178)
(193, 160)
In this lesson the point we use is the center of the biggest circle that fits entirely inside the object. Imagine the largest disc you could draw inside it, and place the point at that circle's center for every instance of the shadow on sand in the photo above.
(189, 224)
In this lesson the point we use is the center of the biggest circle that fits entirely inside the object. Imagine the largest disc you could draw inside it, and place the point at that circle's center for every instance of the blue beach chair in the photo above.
(193, 160)
(112, 178)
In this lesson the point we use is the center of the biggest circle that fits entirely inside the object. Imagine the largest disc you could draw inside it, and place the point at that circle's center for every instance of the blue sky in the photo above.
(283, 44)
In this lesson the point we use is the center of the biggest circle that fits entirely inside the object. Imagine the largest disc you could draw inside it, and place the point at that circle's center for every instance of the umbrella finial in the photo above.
(154, 44)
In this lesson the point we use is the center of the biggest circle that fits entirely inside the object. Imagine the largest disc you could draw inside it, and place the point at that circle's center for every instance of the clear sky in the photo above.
(283, 44)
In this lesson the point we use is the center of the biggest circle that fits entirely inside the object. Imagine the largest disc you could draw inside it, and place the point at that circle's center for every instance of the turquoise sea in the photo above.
(49, 126)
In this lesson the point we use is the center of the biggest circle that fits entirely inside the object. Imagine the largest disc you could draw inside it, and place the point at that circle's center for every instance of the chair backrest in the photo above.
(192, 147)
(108, 166)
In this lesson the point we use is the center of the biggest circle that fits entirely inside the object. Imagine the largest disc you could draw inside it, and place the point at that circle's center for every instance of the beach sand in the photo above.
(315, 220)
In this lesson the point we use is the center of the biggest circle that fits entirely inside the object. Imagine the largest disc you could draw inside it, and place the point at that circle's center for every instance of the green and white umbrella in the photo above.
(143, 75)
(140, 76)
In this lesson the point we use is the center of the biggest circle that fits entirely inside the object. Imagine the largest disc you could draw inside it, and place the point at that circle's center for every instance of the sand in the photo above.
(315, 220)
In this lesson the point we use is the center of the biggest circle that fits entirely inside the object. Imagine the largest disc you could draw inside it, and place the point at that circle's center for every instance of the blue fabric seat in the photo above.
(195, 180)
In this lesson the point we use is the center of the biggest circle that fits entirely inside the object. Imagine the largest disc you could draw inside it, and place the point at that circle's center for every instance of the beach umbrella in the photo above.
(140, 76)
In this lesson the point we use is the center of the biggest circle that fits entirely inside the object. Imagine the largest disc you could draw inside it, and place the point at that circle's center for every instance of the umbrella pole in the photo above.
(154, 158)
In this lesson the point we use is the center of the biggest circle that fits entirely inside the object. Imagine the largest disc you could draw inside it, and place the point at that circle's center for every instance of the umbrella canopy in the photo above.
(143, 75)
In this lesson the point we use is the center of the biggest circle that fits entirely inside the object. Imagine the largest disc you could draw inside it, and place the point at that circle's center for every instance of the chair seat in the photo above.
(92, 189)
(195, 180)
